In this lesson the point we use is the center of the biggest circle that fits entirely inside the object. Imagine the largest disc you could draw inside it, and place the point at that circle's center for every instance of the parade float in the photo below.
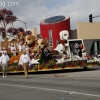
(67, 54)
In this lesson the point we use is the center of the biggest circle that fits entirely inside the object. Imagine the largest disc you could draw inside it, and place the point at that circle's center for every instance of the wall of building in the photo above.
(87, 30)
(90, 33)
(34, 31)
(74, 34)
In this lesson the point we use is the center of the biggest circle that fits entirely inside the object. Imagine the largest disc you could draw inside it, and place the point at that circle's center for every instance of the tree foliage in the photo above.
(7, 28)
(7, 17)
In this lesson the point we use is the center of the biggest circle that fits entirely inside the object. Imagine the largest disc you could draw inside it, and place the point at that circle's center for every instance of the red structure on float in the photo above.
(51, 27)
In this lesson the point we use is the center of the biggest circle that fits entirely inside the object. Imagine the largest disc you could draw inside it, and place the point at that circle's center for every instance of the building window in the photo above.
(50, 38)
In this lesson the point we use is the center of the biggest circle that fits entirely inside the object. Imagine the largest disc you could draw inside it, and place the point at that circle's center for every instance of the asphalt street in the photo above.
(65, 85)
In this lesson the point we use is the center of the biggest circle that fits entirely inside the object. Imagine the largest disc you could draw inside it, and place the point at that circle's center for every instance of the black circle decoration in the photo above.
(54, 19)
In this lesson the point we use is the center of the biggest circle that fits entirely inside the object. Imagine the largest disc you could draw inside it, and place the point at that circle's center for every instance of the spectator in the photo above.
(25, 61)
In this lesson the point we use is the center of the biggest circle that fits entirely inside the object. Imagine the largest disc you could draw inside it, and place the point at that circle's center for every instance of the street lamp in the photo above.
(24, 23)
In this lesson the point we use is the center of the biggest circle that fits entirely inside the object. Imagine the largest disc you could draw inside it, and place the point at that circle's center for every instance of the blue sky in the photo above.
(34, 11)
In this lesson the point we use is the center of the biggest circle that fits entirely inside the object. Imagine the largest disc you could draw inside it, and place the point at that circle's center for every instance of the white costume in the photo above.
(13, 49)
(24, 58)
(4, 63)
(27, 50)
(4, 59)
(21, 47)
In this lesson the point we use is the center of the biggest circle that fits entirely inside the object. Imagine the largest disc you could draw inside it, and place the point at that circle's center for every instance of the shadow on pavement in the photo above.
(57, 71)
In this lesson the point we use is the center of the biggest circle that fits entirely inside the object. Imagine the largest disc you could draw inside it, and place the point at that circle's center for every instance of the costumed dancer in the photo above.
(13, 49)
(25, 62)
(4, 59)
(21, 47)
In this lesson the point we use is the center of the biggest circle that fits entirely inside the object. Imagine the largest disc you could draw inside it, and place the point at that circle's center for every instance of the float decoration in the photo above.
(65, 56)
